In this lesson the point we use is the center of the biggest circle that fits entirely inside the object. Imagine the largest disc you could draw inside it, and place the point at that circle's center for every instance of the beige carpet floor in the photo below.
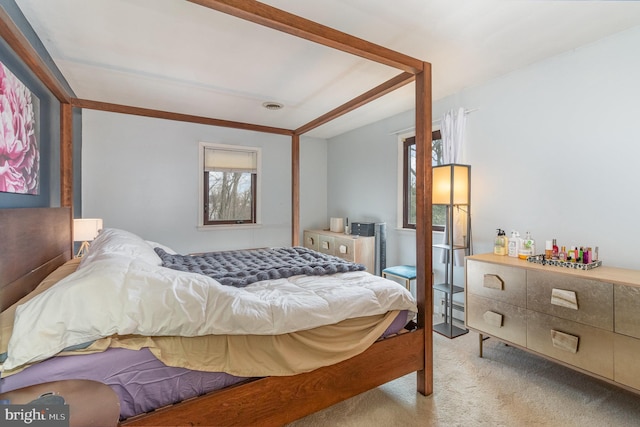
(507, 387)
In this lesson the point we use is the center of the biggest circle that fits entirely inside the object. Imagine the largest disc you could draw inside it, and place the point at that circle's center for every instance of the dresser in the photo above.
(588, 320)
(359, 249)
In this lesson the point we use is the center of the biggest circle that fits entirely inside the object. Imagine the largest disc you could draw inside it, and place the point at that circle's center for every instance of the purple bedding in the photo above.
(141, 381)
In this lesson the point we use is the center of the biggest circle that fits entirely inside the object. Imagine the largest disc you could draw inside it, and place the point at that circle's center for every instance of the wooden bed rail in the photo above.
(253, 402)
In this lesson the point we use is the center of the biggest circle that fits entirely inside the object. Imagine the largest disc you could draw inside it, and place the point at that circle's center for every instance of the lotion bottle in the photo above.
(528, 246)
(500, 245)
(514, 244)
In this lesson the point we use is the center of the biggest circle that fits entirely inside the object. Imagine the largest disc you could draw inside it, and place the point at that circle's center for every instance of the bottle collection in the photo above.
(515, 246)
(577, 254)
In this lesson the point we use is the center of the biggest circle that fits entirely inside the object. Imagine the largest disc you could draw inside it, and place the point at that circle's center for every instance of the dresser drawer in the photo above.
(627, 304)
(626, 352)
(345, 249)
(311, 240)
(499, 319)
(582, 300)
(326, 244)
(498, 282)
(574, 343)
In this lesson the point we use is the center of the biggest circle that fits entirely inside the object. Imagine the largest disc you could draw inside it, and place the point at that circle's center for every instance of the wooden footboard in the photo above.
(274, 401)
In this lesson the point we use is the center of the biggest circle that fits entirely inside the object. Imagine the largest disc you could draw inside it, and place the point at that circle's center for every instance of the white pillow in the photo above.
(167, 249)
(116, 242)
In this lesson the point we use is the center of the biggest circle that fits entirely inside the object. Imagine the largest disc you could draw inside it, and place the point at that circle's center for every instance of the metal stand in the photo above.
(447, 328)
(454, 179)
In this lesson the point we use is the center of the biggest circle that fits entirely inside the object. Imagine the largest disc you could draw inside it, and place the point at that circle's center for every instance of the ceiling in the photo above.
(173, 55)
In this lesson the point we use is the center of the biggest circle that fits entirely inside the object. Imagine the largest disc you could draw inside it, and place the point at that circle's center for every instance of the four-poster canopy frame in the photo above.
(412, 70)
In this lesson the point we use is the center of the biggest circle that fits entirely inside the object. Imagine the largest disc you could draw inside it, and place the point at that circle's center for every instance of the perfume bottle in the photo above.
(562, 255)
(548, 249)
(555, 253)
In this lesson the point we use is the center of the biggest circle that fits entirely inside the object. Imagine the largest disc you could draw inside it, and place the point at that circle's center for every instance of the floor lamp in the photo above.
(452, 188)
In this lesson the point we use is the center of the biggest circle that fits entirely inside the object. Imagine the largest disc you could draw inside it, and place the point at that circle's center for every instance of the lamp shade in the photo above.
(451, 184)
(86, 229)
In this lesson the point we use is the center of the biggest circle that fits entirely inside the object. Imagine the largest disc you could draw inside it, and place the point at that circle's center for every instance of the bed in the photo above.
(52, 238)
(37, 241)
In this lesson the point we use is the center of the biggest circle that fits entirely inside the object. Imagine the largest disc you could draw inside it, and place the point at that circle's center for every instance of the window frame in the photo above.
(405, 177)
(203, 203)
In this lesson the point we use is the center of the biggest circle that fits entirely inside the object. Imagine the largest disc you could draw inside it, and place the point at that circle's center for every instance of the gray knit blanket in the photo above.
(242, 267)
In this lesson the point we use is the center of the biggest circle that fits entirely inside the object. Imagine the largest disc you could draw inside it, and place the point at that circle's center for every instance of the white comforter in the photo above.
(121, 289)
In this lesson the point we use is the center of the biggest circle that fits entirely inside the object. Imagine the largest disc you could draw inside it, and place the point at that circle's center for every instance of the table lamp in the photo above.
(85, 230)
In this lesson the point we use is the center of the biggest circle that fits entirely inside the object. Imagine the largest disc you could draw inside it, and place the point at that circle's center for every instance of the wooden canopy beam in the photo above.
(371, 95)
(280, 20)
(18, 42)
(158, 114)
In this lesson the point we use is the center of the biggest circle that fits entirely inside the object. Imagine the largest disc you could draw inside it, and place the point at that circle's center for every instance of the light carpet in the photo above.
(507, 387)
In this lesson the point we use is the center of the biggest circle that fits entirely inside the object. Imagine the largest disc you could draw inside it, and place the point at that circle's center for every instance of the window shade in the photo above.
(222, 160)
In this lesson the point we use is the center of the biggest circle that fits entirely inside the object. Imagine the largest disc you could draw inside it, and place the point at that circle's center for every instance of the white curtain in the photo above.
(452, 129)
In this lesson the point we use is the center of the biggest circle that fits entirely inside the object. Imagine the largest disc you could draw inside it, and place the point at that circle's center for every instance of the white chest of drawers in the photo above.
(359, 249)
(587, 320)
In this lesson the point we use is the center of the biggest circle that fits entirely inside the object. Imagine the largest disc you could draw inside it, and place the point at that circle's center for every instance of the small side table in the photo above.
(407, 273)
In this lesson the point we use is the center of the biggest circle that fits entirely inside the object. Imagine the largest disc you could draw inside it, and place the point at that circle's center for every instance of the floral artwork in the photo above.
(19, 152)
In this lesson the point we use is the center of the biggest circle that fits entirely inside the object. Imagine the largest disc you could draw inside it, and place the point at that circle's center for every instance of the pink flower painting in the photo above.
(19, 152)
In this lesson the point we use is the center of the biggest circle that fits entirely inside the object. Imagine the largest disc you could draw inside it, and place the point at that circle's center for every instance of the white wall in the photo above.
(554, 149)
(362, 181)
(313, 184)
(141, 174)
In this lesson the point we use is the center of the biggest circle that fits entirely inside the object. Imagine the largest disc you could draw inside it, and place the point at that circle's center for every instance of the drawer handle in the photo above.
(310, 240)
(493, 319)
(325, 245)
(343, 249)
(492, 281)
(566, 342)
(563, 298)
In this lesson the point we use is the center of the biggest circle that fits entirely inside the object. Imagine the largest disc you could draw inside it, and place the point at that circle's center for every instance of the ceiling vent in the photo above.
(272, 105)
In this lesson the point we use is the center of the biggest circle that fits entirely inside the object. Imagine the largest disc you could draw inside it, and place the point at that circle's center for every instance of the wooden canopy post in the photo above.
(66, 155)
(424, 237)
(66, 163)
(295, 190)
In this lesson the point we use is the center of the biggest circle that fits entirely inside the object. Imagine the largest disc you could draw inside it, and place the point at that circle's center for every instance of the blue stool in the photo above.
(402, 272)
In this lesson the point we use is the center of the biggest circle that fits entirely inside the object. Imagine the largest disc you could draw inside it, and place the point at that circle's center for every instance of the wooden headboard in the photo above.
(33, 243)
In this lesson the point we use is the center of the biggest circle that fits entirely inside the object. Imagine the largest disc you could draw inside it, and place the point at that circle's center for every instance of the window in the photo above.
(230, 184)
(409, 182)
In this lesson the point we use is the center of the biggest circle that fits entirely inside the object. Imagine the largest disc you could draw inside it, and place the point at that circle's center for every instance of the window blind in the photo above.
(222, 160)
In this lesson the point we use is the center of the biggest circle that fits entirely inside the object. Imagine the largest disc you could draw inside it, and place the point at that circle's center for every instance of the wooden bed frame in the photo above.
(35, 241)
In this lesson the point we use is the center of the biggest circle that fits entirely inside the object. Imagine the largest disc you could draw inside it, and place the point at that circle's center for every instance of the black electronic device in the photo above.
(363, 229)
